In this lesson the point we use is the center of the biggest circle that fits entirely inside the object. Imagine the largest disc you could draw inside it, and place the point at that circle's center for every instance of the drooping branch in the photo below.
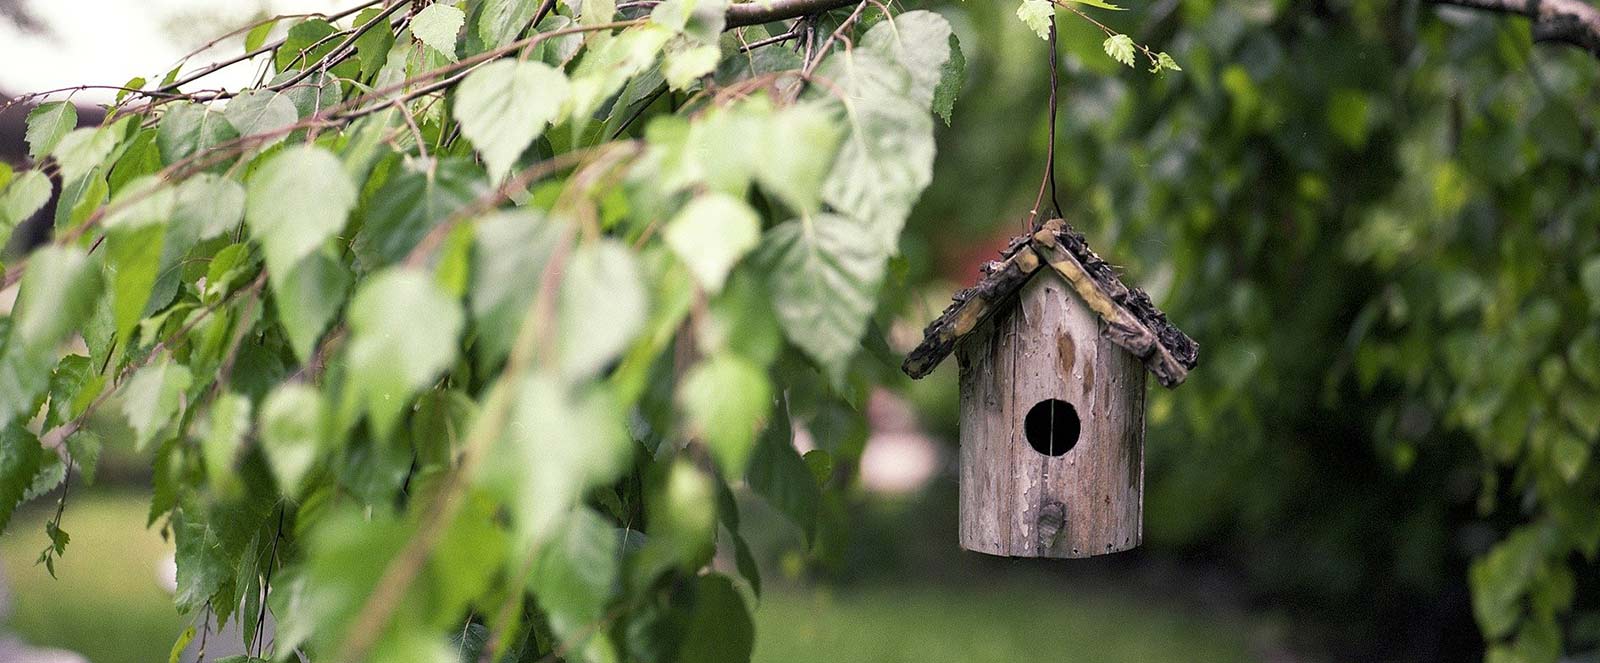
(752, 13)
(1574, 22)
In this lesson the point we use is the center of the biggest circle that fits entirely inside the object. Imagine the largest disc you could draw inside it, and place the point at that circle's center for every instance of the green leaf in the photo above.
(1099, 3)
(820, 463)
(575, 578)
(711, 234)
(296, 51)
(602, 306)
(1038, 15)
(1500, 579)
(21, 457)
(1164, 61)
(778, 474)
(823, 277)
(681, 510)
(27, 193)
(213, 203)
(437, 26)
(187, 128)
(57, 294)
(722, 148)
(292, 433)
(140, 157)
(700, 20)
(952, 77)
(683, 66)
(146, 201)
(1120, 48)
(1570, 454)
(719, 628)
(372, 47)
(151, 398)
(258, 34)
(344, 559)
(726, 400)
(411, 202)
(1584, 356)
(560, 442)
(387, 366)
(81, 150)
(53, 472)
(259, 112)
(73, 376)
(502, 20)
(133, 261)
(741, 321)
(1590, 277)
(227, 423)
(295, 201)
(512, 250)
(184, 638)
(318, 92)
(201, 556)
(469, 559)
(604, 69)
(308, 298)
(808, 136)
(85, 447)
(135, 83)
(504, 105)
(919, 41)
(79, 200)
(47, 123)
(887, 159)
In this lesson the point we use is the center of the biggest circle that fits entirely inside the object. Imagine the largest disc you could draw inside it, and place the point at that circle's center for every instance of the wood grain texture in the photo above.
(1016, 501)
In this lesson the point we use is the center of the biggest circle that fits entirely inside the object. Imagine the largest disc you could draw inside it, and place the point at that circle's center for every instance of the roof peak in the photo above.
(1132, 321)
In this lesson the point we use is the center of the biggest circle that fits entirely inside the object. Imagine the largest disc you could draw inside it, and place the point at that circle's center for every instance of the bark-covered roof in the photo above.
(1132, 321)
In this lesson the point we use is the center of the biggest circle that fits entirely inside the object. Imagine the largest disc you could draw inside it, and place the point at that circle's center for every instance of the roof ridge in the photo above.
(1132, 319)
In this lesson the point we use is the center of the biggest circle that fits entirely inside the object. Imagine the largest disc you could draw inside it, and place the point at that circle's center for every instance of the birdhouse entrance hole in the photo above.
(1052, 427)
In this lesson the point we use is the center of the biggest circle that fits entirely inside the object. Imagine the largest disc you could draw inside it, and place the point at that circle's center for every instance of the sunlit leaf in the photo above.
(602, 306)
(260, 112)
(504, 105)
(437, 26)
(712, 233)
(295, 201)
(292, 433)
(823, 276)
(47, 124)
(727, 400)
(152, 397)
(81, 150)
(403, 334)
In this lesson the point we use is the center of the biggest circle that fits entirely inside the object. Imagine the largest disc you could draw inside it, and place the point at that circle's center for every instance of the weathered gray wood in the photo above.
(1016, 501)
(1132, 320)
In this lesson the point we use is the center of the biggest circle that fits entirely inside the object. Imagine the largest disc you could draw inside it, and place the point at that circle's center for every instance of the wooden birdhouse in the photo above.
(1053, 351)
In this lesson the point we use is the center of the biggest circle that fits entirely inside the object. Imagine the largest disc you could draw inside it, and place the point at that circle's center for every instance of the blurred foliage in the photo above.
(1379, 220)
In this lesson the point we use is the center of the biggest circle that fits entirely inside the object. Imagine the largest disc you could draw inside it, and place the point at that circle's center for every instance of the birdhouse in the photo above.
(1053, 351)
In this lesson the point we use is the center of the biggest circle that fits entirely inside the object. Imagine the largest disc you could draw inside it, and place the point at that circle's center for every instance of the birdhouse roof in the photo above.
(1132, 321)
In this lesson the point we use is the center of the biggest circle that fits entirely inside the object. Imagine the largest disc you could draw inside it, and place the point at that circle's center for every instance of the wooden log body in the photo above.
(1015, 500)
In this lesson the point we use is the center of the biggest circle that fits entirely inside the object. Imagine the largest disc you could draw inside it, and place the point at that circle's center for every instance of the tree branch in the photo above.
(752, 13)
(1574, 22)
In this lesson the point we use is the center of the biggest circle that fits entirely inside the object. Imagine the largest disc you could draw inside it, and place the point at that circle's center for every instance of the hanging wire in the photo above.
(1049, 179)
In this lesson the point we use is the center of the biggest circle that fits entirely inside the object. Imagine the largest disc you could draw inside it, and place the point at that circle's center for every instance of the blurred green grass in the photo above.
(106, 601)
(107, 604)
(995, 624)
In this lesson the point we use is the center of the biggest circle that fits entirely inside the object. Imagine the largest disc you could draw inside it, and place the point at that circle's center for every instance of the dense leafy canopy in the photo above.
(402, 328)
